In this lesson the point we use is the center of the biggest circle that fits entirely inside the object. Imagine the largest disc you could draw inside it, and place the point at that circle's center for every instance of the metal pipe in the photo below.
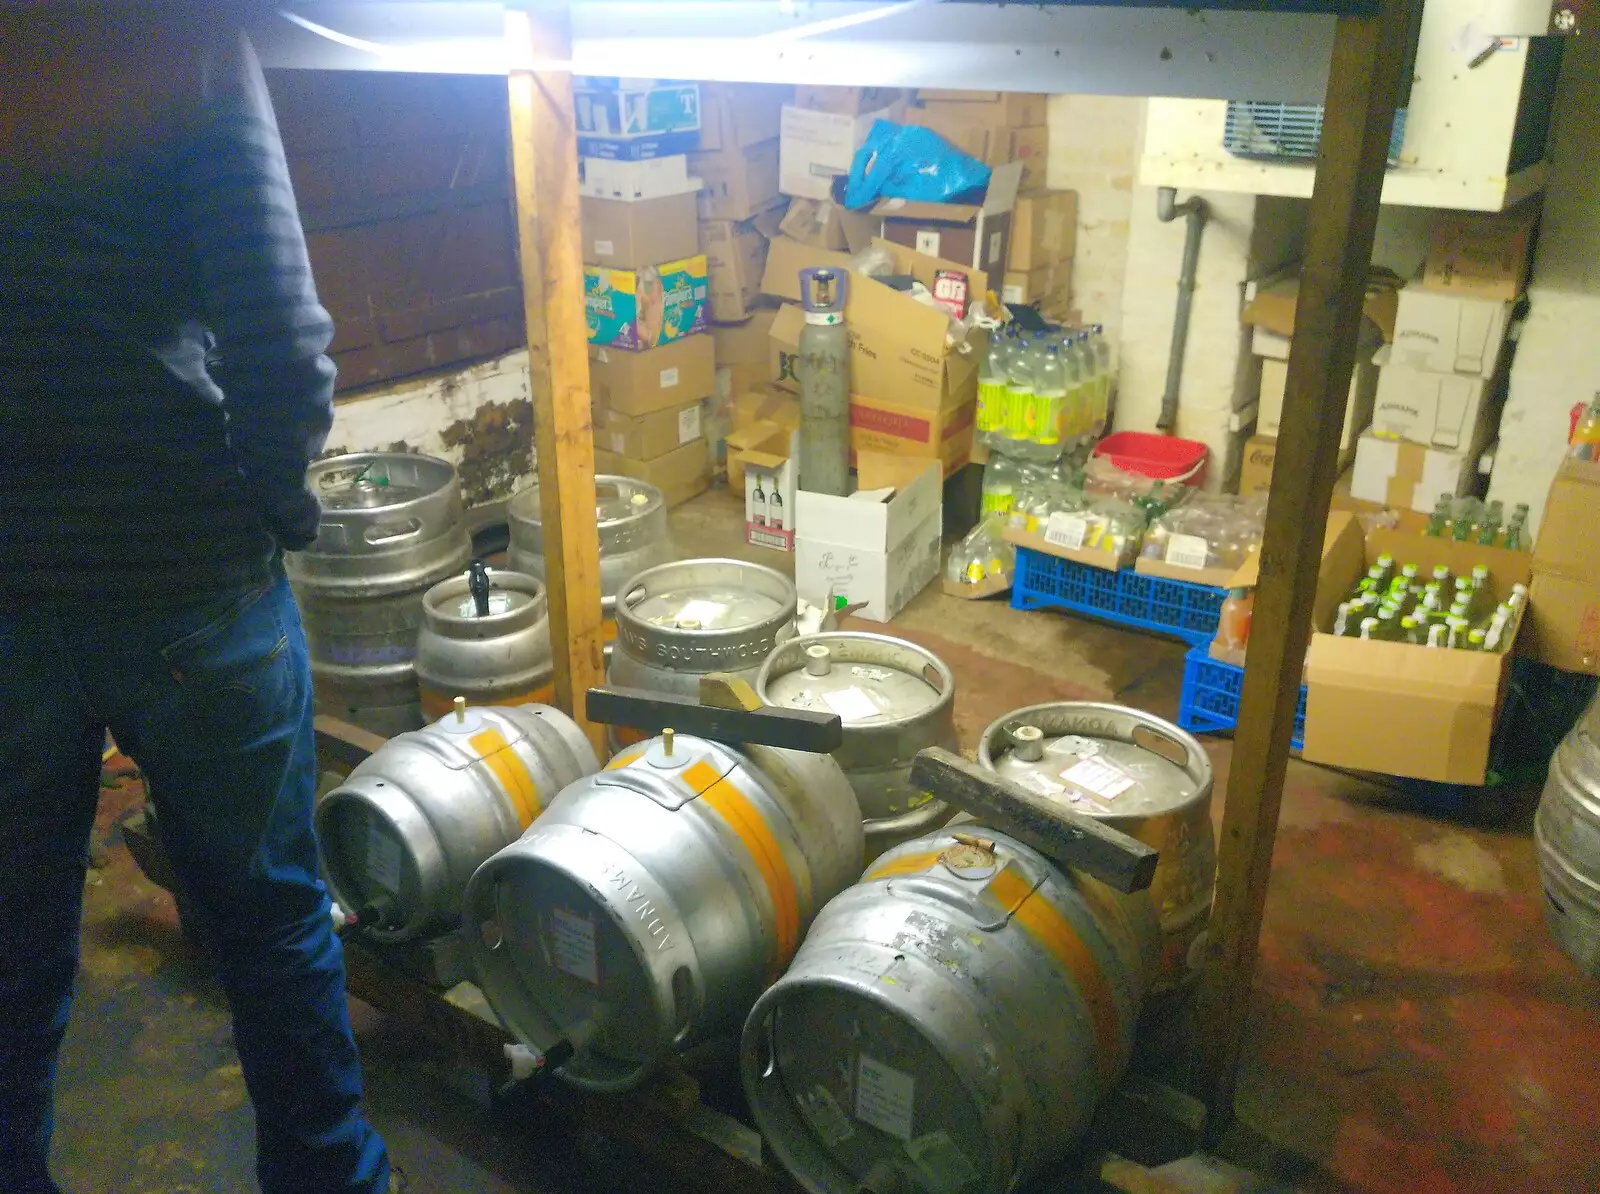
(1194, 209)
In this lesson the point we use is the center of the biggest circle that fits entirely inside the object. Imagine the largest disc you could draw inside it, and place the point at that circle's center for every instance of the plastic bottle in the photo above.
(1439, 522)
(1409, 631)
(999, 485)
(1369, 627)
(1050, 388)
(1019, 400)
(992, 376)
(1233, 624)
(1103, 377)
(1341, 619)
(1489, 531)
(1586, 435)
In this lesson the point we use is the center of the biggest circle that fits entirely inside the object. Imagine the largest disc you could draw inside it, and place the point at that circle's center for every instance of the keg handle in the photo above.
(766, 725)
(1066, 838)
(384, 534)
(478, 586)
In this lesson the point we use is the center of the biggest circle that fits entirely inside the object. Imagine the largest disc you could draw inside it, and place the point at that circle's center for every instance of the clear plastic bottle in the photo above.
(1084, 398)
(1019, 400)
(1050, 387)
(1000, 478)
(992, 378)
(1103, 378)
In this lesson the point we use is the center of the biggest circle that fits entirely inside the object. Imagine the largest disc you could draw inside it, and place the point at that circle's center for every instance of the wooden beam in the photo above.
(1363, 83)
(544, 155)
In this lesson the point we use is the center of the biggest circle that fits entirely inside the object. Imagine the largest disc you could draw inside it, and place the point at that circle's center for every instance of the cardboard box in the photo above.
(654, 178)
(736, 255)
(639, 383)
(883, 427)
(762, 465)
(1029, 148)
(974, 235)
(1442, 410)
(679, 475)
(633, 235)
(845, 101)
(739, 115)
(1008, 109)
(638, 148)
(1270, 304)
(1255, 467)
(898, 350)
(1449, 333)
(736, 184)
(746, 342)
(766, 406)
(957, 128)
(645, 308)
(1564, 598)
(1482, 255)
(606, 106)
(1394, 707)
(1409, 476)
(824, 224)
(816, 147)
(1358, 406)
(644, 437)
(1031, 289)
(1044, 230)
(880, 545)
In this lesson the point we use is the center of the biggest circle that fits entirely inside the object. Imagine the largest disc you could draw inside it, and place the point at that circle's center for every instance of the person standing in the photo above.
(163, 386)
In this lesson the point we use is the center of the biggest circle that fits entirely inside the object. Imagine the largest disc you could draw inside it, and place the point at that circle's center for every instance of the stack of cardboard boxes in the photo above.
(1443, 378)
(996, 127)
(739, 202)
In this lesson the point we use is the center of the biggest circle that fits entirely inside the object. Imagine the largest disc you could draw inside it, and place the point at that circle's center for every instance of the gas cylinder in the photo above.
(824, 368)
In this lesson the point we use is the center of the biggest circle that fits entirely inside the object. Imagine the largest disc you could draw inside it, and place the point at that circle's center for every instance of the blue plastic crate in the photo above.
(1210, 701)
(1176, 607)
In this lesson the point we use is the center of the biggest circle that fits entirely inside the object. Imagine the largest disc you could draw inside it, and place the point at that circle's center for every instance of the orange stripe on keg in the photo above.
(511, 771)
(1056, 934)
(436, 705)
(623, 759)
(734, 807)
(906, 864)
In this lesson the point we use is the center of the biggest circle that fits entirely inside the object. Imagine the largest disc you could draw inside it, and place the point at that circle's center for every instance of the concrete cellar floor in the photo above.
(1413, 1031)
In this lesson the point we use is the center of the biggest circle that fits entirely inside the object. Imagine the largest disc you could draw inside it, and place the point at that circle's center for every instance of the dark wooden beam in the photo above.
(544, 158)
(1363, 83)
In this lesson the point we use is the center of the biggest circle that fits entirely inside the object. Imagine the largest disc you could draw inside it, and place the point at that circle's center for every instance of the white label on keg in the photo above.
(1106, 780)
(885, 1097)
(878, 674)
(852, 704)
(604, 248)
(1043, 785)
(1065, 530)
(826, 1117)
(704, 612)
(1187, 551)
(689, 423)
(939, 1159)
(383, 858)
(572, 942)
(669, 378)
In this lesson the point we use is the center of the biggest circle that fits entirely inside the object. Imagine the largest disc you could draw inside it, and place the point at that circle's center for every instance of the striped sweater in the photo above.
(163, 376)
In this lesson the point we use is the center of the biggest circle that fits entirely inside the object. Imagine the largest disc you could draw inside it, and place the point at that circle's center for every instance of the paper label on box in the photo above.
(1065, 530)
(1100, 777)
(945, 1169)
(851, 704)
(994, 248)
(383, 858)
(669, 378)
(572, 945)
(928, 242)
(1010, 294)
(1187, 551)
(619, 442)
(604, 248)
(885, 1097)
(689, 423)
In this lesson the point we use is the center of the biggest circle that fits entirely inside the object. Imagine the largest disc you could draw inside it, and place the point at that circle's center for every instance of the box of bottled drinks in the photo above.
(1411, 646)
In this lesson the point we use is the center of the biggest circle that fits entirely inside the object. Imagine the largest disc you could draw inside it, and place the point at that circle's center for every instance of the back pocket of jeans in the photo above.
(235, 672)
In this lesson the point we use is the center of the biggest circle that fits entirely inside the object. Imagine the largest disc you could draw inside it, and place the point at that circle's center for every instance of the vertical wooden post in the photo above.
(544, 154)
(1363, 83)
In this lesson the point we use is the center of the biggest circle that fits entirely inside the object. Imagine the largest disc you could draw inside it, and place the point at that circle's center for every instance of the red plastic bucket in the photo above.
(1159, 457)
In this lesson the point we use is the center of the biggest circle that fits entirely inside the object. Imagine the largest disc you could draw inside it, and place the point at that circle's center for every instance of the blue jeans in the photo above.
(213, 701)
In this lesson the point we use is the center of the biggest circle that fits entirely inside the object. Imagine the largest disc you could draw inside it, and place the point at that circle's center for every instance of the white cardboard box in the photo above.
(1409, 476)
(1449, 333)
(1358, 407)
(769, 496)
(814, 147)
(653, 178)
(1441, 410)
(882, 552)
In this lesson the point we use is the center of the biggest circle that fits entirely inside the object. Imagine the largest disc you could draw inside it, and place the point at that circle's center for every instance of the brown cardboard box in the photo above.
(1564, 599)
(737, 183)
(645, 437)
(824, 224)
(1004, 109)
(633, 234)
(943, 435)
(736, 254)
(786, 258)
(1033, 288)
(1482, 255)
(739, 115)
(1030, 147)
(744, 343)
(1273, 304)
(1255, 469)
(679, 475)
(1044, 229)
(1409, 476)
(1357, 410)
(638, 383)
(1397, 708)
(845, 101)
(976, 235)
(766, 406)
(972, 137)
